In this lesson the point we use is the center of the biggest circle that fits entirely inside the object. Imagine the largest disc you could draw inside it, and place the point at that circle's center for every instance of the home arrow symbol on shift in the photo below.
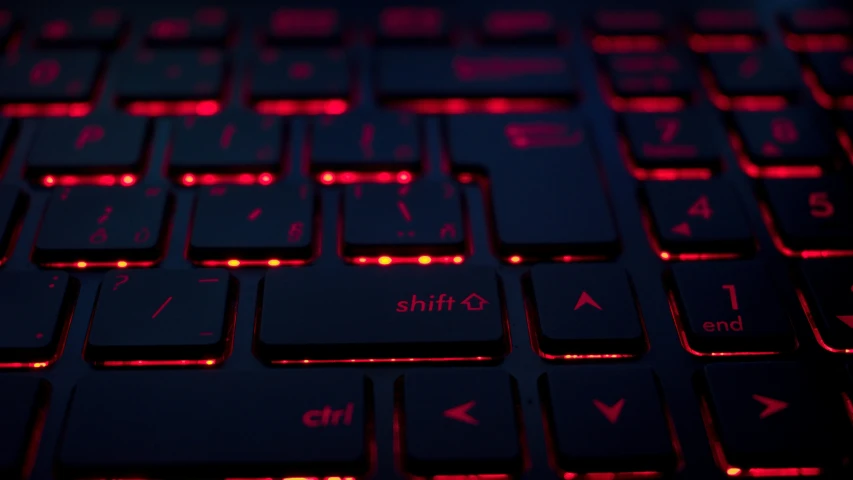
(771, 405)
(460, 413)
(585, 299)
(474, 302)
(610, 412)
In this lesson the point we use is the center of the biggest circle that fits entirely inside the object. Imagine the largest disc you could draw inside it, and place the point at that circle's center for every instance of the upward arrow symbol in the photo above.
(585, 299)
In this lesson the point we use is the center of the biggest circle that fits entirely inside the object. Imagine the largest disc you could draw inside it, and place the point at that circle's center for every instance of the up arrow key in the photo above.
(585, 299)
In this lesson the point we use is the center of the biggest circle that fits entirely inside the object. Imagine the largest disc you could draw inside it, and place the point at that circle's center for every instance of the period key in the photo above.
(362, 314)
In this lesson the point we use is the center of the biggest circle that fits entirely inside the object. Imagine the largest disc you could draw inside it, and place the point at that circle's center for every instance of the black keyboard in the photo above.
(428, 240)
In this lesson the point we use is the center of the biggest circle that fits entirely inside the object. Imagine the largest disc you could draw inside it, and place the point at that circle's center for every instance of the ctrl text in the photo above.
(328, 416)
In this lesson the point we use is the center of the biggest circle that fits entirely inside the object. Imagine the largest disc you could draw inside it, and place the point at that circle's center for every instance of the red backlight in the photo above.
(78, 109)
(333, 106)
(183, 107)
(344, 178)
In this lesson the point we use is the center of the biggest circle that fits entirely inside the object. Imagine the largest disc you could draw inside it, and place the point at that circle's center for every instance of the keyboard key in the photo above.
(538, 211)
(224, 424)
(775, 416)
(7, 26)
(665, 73)
(730, 307)
(49, 77)
(629, 22)
(300, 75)
(418, 73)
(686, 139)
(834, 71)
(607, 419)
(406, 24)
(171, 75)
(812, 213)
(99, 143)
(460, 422)
(698, 216)
(794, 136)
(36, 313)
(98, 28)
(422, 218)
(253, 223)
(158, 315)
(96, 225)
(407, 313)
(13, 204)
(21, 418)
(829, 286)
(383, 141)
(304, 26)
(232, 143)
(520, 26)
(207, 26)
(718, 21)
(581, 310)
(761, 72)
(819, 20)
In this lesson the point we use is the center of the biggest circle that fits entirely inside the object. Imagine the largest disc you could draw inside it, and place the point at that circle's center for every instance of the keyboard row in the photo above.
(215, 26)
(196, 82)
(762, 419)
(172, 318)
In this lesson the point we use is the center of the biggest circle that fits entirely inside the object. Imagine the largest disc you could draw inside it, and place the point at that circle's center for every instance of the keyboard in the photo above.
(426, 240)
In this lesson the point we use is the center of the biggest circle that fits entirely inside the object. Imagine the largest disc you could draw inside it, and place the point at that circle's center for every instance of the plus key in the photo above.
(92, 226)
(422, 218)
(146, 317)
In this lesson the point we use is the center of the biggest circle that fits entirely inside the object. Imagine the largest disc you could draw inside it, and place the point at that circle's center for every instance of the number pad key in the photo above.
(812, 214)
(729, 307)
(95, 225)
(795, 136)
(674, 140)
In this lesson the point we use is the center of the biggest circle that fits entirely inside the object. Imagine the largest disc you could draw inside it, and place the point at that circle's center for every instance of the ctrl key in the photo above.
(223, 425)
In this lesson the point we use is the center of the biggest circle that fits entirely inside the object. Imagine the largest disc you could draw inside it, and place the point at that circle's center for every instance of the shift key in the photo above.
(364, 314)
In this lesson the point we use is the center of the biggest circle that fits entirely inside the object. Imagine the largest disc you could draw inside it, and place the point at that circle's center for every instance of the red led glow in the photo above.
(626, 43)
(344, 178)
(611, 475)
(191, 179)
(454, 106)
(381, 360)
(518, 259)
(334, 106)
(234, 263)
(662, 174)
(81, 264)
(732, 471)
(749, 103)
(476, 476)
(182, 107)
(158, 363)
(648, 104)
(722, 43)
(773, 171)
(818, 336)
(680, 257)
(846, 143)
(294, 478)
(103, 180)
(76, 109)
(386, 260)
(767, 215)
(820, 95)
(817, 42)
(25, 365)
(682, 335)
(63, 336)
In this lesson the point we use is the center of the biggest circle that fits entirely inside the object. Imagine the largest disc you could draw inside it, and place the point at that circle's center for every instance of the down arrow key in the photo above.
(829, 299)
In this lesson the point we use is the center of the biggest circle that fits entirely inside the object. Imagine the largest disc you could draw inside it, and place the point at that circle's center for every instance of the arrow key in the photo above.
(460, 422)
(766, 417)
(607, 420)
(828, 285)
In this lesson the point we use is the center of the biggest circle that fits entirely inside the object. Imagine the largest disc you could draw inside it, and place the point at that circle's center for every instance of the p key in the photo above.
(157, 317)
(829, 288)
(729, 307)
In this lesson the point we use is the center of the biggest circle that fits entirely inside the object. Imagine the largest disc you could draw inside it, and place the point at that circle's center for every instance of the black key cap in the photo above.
(829, 287)
(812, 214)
(99, 225)
(581, 310)
(628, 22)
(253, 223)
(7, 26)
(232, 143)
(775, 416)
(725, 21)
(539, 209)
(460, 422)
(299, 75)
(418, 73)
(157, 315)
(817, 20)
(21, 419)
(408, 24)
(37, 308)
(686, 139)
(13, 204)
(406, 313)
(699, 217)
(98, 28)
(794, 136)
(207, 26)
(834, 71)
(49, 77)
(100, 143)
(422, 218)
(304, 26)
(761, 72)
(729, 307)
(268, 433)
(171, 75)
(654, 74)
(384, 141)
(517, 25)
(607, 419)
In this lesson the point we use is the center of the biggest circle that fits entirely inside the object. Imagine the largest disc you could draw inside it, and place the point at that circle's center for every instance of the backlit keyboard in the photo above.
(426, 240)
